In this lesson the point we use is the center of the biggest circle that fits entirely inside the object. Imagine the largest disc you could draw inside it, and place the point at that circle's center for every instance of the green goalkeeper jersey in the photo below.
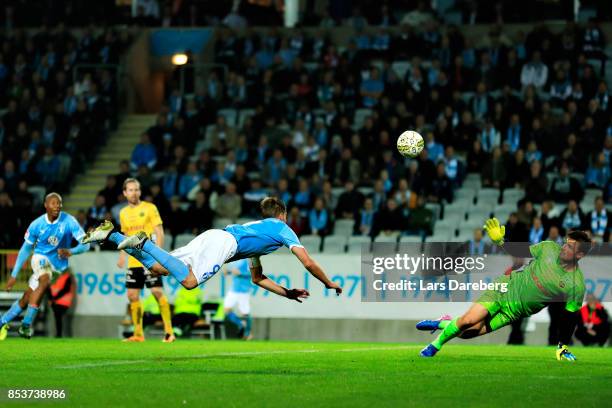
(544, 281)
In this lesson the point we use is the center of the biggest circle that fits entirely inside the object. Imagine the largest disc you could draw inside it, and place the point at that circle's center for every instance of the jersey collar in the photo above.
(54, 222)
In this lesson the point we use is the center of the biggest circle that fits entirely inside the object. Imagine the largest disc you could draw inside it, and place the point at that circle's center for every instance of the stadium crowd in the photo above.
(50, 113)
(297, 115)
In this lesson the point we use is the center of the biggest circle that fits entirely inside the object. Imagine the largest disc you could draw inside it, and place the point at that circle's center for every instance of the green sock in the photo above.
(450, 332)
(443, 323)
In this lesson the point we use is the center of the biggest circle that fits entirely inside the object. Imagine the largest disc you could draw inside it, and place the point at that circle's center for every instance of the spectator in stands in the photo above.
(489, 137)
(526, 212)
(303, 197)
(275, 167)
(595, 326)
(318, 218)
(536, 233)
(565, 187)
(516, 231)
(598, 174)
(97, 212)
(420, 218)
(189, 180)
(440, 188)
(8, 232)
(199, 214)
(124, 172)
(554, 235)
(389, 219)
(110, 191)
(572, 217)
(296, 221)
(144, 153)
(477, 245)
(176, 221)
(347, 168)
(372, 89)
(229, 204)
(223, 133)
(598, 219)
(536, 186)
(364, 219)
(561, 88)
(48, 168)
(349, 202)
(514, 133)
(379, 195)
(534, 72)
(494, 171)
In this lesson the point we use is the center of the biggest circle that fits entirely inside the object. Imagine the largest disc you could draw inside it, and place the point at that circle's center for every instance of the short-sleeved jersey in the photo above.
(141, 217)
(261, 237)
(544, 281)
(241, 283)
(47, 237)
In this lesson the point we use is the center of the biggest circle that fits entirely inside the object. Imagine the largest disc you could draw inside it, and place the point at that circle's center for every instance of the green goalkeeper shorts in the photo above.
(502, 312)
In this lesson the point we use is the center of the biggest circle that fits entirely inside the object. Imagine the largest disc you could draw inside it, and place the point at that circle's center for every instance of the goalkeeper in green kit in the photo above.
(552, 275)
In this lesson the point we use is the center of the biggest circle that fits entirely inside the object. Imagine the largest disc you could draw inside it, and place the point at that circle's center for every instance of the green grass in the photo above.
(296, 374)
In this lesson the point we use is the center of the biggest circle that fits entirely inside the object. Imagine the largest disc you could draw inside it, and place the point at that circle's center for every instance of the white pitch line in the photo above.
(238, 353)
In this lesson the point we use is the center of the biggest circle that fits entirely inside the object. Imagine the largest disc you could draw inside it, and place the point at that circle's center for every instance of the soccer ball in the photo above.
(410, 143)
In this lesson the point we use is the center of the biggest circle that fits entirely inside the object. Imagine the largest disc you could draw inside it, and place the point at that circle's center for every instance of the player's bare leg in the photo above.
(13, 312)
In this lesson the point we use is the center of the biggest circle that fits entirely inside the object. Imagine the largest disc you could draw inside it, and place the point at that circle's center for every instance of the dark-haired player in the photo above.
(552, 275)
(203, 257)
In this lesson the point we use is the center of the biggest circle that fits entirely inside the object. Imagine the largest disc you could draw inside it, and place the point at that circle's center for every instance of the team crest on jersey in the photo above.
(142, 213)
(52, 240)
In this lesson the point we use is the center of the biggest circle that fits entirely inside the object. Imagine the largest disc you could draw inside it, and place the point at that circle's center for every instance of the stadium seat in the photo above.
(465, 194)
(512, 195)
(366, 191)
(473, 223)
(393, 237)
(344, 227)
(415, 241)
(355, 243)
(400, 68)
(231, 116)
(473, 181)
(312, 243)
(442, 236)
(182, 240)
(243, 115)
(448, 223)
(481, 210)
(445, 230)
(221, 223)
(334, 244)
(490, 195)
(360, 116)
(457, 212)
(464, 235)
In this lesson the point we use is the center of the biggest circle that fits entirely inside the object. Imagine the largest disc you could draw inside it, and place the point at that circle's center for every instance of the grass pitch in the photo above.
(108, 373)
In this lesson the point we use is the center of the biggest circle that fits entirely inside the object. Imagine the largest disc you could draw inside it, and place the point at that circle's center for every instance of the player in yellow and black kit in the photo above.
(135, 217)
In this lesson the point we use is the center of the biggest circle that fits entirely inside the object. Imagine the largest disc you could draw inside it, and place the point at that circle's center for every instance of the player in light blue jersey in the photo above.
(202, 258)
(49, 237)
(237, 299)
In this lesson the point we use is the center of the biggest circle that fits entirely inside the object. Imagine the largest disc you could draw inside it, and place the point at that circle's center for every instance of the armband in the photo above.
(254, 262)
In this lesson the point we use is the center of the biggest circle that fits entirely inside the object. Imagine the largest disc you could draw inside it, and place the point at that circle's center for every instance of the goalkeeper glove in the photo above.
(563, 353)
(495, 231)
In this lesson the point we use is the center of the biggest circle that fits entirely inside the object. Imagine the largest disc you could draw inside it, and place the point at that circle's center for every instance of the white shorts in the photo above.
(207, 252)
(233, 299)
(40, 266)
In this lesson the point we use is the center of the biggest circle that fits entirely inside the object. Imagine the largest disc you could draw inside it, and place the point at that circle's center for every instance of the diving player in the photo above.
(203, 257)
(552, 276)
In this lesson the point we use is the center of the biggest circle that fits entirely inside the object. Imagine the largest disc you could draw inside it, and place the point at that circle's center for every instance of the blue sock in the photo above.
(234, 319)
(12, 313)
(30, 315)
(144, 258)
(249, 324)
(174, 265)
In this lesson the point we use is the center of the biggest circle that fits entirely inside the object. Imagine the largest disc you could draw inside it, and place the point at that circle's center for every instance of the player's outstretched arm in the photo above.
(314, 268)
(263, 281)
(24, 253)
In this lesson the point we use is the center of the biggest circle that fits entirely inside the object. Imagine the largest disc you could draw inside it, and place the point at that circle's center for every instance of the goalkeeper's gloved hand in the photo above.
(495, 231)
(563, 353)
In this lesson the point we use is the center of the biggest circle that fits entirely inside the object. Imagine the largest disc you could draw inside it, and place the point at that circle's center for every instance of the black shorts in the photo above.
(136, 278)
